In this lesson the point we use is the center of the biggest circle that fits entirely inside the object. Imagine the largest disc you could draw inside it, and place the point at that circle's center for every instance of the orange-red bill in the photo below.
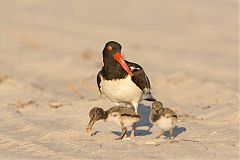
(118, 57)
(90, 124)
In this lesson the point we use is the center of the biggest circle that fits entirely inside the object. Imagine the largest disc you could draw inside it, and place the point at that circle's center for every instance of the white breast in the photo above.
(114, 117)
(122, 90)
(165, 123)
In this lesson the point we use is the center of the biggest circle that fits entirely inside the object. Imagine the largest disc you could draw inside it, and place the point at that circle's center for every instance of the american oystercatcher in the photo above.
(164, 118)
(122, 81)
(123, 116)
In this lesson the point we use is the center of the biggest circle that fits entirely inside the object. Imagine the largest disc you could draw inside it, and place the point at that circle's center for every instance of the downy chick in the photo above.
(164, 118)
(123, 116)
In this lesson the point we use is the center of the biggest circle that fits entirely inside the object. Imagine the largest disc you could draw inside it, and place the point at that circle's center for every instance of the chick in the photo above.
(164, 118)
(122, 116)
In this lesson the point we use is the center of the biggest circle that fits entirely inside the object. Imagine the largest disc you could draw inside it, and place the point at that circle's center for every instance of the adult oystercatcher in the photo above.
(122, 81)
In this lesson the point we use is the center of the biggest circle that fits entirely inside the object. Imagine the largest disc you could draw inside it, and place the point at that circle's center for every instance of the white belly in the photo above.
(165, 123)
(121, 91)
(124, 121)
(129, 121)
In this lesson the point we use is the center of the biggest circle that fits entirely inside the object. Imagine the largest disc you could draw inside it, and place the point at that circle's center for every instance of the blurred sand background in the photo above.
(50, 53)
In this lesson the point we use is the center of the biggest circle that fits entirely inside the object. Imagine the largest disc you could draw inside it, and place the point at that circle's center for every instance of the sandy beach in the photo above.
(51, 52)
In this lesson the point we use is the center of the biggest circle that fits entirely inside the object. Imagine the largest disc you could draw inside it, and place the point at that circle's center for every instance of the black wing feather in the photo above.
(139, 76)
(99, 80)
(141, 80)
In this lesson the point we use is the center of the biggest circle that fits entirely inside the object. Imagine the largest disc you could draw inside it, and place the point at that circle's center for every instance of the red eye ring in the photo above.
(109, 48)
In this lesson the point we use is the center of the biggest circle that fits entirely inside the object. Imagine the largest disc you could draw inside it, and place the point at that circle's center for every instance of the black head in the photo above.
(157, 107)
(111, 48)
(95, 115)
(112, 56)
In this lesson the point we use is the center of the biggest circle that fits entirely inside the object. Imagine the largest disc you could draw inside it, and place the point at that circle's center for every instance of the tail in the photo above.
(149, 97)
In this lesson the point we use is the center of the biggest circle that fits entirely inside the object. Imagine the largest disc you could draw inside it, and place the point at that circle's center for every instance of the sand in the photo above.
(50, 53)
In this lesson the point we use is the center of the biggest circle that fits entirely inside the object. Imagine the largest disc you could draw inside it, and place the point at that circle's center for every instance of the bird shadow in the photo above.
(137, 133)
(144, 112)
(176, 132)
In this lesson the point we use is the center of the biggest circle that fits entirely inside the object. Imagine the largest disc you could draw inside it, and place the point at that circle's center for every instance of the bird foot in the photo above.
(119, 138)
(132, 136)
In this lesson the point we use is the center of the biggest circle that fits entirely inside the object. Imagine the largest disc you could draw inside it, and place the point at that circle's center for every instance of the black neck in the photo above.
(112, 69)
(105, 115)
(154, 117)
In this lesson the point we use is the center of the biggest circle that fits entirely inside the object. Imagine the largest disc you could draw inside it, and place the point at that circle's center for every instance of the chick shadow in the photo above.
(176, 131)
(95, 133)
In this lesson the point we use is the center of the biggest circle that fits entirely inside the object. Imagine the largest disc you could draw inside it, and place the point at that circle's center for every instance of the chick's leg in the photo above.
(132, 136)
(161, 133)
(170, 133)
(124, 131)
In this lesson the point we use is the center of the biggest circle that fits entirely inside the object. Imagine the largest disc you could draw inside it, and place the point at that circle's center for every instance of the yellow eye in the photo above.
(109, 48)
